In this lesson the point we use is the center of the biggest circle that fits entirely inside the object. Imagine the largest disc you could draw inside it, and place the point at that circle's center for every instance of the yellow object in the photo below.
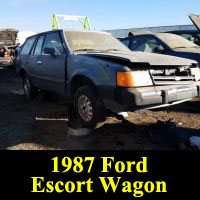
(125, 79)
(58, 20)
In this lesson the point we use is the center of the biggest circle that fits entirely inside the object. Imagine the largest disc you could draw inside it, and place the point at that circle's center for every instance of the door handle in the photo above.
(39, 62)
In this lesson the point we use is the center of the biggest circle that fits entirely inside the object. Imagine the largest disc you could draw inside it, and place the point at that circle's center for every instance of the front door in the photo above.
(50, 70)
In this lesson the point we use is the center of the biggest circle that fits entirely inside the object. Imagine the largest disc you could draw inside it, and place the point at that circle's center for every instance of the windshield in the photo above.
(175, 41)
(93, 41)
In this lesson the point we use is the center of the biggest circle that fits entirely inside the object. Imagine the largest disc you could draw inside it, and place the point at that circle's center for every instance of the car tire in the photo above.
(29, 90)
(89, 107)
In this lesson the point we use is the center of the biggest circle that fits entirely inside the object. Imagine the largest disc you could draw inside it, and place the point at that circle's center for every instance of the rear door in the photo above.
(35, 56)
(24, 58)
(50, 71)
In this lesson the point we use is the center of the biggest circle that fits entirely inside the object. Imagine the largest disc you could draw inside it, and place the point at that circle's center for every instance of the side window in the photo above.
(126, 41)
(27, 46)
(53, 40)
(38, 48)
(150, 46)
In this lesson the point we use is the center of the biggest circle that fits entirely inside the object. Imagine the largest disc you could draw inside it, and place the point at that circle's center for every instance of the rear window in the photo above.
(27, 46)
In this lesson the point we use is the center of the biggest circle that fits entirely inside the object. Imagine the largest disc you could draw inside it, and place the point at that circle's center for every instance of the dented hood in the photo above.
(195, 20)
(141, 57)
(8, 37)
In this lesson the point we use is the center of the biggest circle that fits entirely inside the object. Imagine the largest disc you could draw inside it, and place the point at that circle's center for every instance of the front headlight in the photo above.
(196, 72)
(134, 79)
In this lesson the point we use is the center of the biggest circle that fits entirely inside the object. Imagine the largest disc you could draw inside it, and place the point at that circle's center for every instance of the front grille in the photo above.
(172, 76)
(159, 80)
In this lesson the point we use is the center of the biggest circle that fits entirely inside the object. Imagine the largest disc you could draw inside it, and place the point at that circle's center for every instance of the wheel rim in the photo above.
(27, 87)
(85, 108)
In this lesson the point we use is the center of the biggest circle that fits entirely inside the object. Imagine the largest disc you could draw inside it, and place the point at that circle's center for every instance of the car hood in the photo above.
(8, 37)
(195, 20)
(188, 50)
(141, 57)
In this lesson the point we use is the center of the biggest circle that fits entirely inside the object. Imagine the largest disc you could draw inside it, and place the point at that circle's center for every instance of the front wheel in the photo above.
(89, 108)
(29, 90)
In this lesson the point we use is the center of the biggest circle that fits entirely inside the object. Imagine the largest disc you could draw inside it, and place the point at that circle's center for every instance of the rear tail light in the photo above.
(7, 54)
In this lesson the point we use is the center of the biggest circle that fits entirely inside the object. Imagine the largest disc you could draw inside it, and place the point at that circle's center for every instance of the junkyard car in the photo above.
(96, 72)
(163, 43)
(192, 35)
(7, 46)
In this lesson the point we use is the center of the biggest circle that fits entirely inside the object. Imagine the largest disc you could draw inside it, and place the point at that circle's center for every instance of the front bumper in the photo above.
(151, 97)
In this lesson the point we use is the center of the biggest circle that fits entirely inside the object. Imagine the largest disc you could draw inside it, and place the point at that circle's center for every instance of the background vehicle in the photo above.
(7, 46)
(191, 35)
(163, 43)
(96, 73)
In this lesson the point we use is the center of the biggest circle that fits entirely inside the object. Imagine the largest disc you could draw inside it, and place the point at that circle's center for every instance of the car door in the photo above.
(24, 57)
(33, 63)
(50, 70)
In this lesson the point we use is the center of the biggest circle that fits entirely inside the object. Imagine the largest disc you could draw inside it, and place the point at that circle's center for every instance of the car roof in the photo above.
(143, 33)
(67, 30)
(135, 33)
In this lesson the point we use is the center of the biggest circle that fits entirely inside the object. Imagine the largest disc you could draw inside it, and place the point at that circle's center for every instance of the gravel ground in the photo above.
(42, 125)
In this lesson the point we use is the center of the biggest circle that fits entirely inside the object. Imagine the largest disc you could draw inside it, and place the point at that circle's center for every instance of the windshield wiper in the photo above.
(184, 47)
(113, 50)
(84, 49)
(97, 50)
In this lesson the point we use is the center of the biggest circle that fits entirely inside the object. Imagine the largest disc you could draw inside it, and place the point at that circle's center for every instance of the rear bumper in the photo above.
(151, 97)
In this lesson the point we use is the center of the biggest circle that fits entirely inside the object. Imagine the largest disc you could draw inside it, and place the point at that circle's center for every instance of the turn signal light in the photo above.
(125, 79)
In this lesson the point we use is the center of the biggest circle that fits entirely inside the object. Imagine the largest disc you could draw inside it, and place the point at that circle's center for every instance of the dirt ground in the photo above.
(42, 125)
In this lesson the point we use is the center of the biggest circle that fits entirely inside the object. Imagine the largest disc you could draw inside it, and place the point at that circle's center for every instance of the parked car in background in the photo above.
(7, 46)
(191, 35)
(163, 43)
(96, 73)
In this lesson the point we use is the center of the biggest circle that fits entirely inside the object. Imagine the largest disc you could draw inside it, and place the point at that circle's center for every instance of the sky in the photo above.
(36, 15)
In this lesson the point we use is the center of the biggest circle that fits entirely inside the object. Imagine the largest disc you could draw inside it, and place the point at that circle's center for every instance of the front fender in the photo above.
(97, 70)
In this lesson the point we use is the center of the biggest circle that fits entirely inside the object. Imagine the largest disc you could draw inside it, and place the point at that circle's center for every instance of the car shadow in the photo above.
(192, 107)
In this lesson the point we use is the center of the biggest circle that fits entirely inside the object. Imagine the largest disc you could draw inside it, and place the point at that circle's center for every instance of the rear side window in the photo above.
(53, 40)
(27, 46)
(38, 48)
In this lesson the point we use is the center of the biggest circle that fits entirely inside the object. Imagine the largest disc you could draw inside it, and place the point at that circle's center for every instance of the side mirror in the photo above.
(50, 51)
(159, 49)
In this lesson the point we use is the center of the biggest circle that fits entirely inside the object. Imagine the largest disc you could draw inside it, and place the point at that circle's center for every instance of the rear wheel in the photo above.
(29, 90)
(89, 108)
